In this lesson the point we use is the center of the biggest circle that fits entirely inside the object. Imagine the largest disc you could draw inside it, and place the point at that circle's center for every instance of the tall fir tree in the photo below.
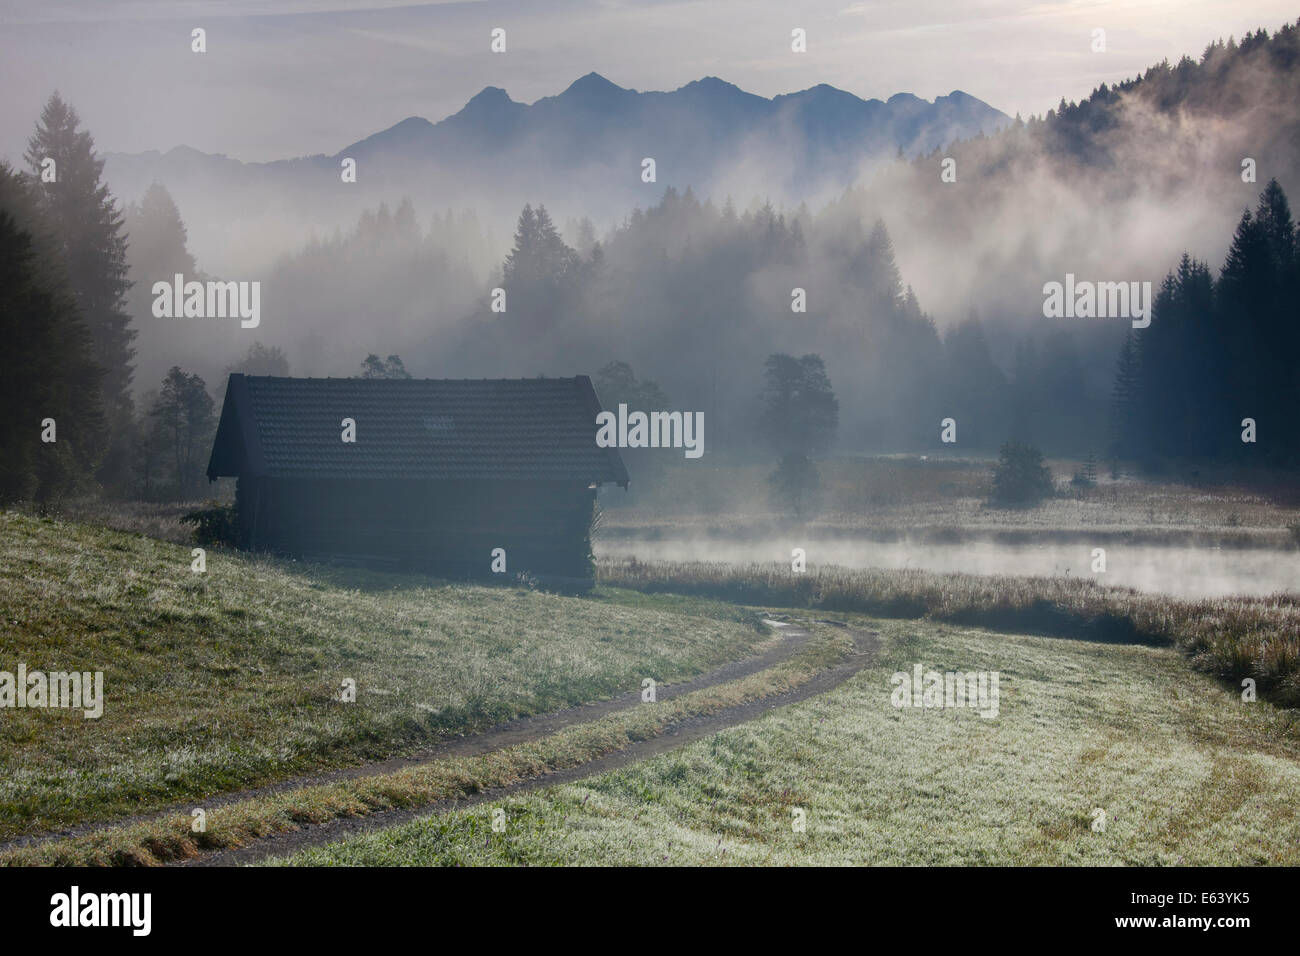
(156, 250)
(87, 225)
(1257, 307)
(1281, 325)
(539, 255)
(1125, 433)
(185, 424)
(52, 427)
(541, 275)
(158, 238)
(1242, 308)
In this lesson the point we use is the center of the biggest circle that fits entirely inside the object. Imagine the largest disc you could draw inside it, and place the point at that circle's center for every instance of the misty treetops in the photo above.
(720, 307)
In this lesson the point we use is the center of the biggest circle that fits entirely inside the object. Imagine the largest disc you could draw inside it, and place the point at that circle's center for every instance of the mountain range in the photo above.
(691, 128)
(580, 152)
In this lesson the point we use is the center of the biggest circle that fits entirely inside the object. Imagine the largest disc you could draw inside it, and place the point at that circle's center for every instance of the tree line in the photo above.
(704, 297)
(71, 303)
(1216, 377)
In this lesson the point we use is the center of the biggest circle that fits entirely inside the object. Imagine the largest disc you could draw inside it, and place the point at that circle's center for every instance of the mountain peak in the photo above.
(711, 83)
(822, 93)
(489, 96)
(593, 85)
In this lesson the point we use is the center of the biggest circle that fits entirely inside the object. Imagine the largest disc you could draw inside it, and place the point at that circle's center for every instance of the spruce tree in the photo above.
(1245, 297)
(157, 238)
(87, 225)
(49, 386)
(1279, 325)
(1125, 431)
(185, 421)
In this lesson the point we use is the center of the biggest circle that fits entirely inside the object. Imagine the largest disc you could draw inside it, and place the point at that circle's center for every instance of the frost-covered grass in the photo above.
(231, 679)
(1184, 771)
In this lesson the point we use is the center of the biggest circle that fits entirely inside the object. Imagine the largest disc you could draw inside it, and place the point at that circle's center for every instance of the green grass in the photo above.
(1230, 638)
(170, 837)
(1185, 771)
(226, 680)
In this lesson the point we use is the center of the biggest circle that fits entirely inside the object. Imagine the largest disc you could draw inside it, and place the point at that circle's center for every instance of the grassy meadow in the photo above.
(235, 824)
(231, 678)
(1184, 771)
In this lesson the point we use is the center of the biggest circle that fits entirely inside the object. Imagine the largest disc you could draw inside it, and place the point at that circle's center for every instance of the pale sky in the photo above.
(285, 78)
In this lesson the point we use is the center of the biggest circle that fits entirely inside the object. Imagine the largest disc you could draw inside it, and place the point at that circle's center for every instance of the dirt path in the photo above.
(790, 641)
(686, 732)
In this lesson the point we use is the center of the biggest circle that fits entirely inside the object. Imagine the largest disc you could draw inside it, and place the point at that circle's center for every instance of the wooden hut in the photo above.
(423, 474)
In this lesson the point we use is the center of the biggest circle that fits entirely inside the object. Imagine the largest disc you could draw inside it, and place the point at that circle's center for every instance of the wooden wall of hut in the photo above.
(444, 527)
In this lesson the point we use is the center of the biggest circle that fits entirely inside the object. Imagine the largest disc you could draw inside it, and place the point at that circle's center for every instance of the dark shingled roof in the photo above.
(504, 429)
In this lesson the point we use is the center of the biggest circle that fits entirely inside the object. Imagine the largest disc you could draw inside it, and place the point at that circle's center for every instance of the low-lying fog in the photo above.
(1179, 571)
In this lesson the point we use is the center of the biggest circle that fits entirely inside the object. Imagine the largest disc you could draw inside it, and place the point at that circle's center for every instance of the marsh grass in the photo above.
(945, 498)
(1230, 638)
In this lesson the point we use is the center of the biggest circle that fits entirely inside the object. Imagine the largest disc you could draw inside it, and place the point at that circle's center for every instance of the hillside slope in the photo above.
(232, 678)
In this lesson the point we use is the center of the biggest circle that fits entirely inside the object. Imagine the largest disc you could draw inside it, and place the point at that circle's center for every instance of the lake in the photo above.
(1177, 570)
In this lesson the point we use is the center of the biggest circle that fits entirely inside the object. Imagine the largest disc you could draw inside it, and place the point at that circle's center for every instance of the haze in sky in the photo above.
(286, 78)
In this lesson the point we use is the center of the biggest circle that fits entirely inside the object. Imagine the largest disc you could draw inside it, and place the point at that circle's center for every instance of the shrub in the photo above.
(215, 524)
(1020, 477)
(1086, 475)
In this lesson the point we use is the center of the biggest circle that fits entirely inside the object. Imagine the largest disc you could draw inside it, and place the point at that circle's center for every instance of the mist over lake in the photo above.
(1176, 570)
